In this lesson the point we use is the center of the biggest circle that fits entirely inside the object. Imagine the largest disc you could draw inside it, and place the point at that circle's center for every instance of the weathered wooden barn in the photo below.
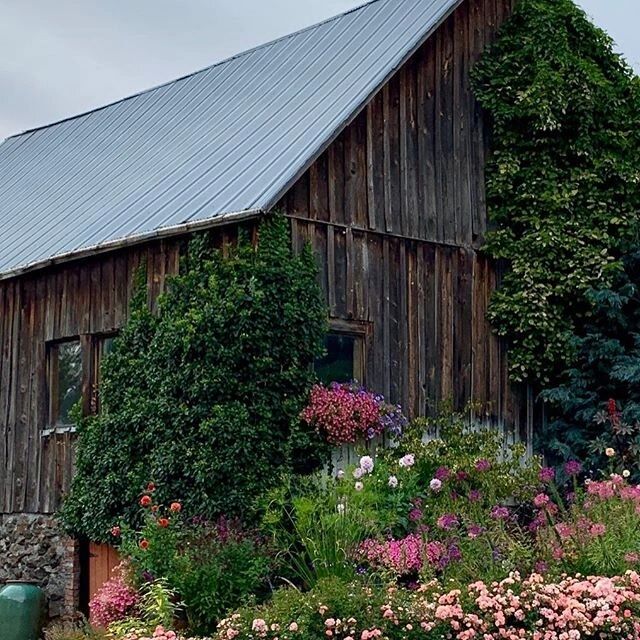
(363, 129)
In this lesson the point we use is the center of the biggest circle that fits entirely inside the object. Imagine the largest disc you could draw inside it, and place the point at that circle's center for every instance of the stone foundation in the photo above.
(33, 548)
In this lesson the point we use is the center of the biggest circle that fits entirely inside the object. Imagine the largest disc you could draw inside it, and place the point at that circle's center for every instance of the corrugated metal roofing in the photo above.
(225, 141)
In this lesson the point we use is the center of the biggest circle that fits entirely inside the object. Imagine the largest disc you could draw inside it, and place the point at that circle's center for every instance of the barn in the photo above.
(362, 130)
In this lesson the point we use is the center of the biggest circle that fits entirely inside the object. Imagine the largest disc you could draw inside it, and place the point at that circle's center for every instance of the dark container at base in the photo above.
(21, 611)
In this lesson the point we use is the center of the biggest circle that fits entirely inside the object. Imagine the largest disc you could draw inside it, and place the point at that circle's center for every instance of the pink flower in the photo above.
(114, 601)
(435, 485)
(483, 465)
(547, 474)
(541, 500)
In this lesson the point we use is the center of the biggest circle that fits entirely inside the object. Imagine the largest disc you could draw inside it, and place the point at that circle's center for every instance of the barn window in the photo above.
(65, 380)
(344, 353)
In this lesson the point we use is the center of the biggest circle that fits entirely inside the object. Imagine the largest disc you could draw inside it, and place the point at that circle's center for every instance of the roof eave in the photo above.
(136, 239)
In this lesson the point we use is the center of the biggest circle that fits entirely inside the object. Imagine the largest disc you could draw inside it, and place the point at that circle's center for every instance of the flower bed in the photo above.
(454, 535)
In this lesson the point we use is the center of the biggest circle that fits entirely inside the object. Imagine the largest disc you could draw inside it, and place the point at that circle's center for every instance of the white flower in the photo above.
(435, 485)
(366, 464)
(407, 461)
(393, 482)
(358, 473)
(341, 508)
(609, 452)
(359, 486)
(340, 474)
(626, 473)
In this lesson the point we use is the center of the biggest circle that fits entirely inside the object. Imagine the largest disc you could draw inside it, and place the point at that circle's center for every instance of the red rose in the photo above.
(175, 507)
(144, 544)
(151, 487)
(115, 531)
(163, 522)
(145, 501)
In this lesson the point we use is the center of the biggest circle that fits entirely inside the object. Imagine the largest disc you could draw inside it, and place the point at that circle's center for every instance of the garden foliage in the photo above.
(597, 404)
(204, 397)
(562, 182)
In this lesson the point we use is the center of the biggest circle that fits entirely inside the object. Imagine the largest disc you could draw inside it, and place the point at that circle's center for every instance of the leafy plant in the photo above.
(596, 406)
(205, 396)
(562, 181)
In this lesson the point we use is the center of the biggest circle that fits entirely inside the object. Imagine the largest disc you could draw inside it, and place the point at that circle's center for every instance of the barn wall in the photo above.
(80, 299)
(395, 210)
(412, 163)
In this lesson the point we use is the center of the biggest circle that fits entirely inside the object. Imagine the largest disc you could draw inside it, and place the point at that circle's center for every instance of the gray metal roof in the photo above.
(224, 142)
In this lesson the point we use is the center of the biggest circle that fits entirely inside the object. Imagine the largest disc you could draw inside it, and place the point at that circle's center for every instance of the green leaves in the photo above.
(204, 397)
(562, 181)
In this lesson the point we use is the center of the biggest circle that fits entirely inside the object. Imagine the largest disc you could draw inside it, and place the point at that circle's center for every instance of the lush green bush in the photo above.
(205, 396)
(597, 405)
(562, 182)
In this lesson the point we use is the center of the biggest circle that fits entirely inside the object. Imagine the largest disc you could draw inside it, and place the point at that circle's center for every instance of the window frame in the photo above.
(361, 331)
(52, 353)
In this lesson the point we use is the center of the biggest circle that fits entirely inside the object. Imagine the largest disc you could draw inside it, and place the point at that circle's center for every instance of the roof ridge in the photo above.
(235, 56)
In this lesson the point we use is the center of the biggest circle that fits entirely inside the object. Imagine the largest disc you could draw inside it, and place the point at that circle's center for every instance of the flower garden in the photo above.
(440, 530)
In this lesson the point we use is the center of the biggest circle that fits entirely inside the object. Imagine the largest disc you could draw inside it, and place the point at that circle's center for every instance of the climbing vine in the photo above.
(203, 398)
(563, 178)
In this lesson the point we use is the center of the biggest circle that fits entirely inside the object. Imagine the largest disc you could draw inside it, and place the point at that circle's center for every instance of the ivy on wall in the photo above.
(203, 398)
(563, 176)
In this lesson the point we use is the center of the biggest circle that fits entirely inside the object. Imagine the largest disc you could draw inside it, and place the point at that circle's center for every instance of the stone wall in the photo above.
(33, 547)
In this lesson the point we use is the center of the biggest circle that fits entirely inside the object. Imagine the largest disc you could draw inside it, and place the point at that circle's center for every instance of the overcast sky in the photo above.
(62, 57)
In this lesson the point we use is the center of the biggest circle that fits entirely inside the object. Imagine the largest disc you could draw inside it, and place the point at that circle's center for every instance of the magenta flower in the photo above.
(499, 513)
(475, 495)
(448, 521)
(483, 465)
(442, 473)
(547, 474)
(572, 468)
(415, 515)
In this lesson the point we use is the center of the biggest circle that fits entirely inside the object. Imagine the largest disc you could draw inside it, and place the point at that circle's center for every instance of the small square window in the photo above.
(65, 380)
(344, 353)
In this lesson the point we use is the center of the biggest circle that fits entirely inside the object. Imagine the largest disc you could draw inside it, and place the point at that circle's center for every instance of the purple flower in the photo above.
(499, 513)
(541, 567)
(462, 476)
(483, 465)
(454, 553)
(475, 495)
(474, 530)
(448, 521)
(442, 473)
(547, 474)
(572, 468)
(415, 515)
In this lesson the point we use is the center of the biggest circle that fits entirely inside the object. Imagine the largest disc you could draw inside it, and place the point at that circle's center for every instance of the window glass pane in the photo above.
(69, 363)
(338, 363)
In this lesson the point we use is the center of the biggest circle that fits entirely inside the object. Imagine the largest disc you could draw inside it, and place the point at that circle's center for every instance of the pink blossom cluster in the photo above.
(115, 600)
(343, 413)
(531, 608)
(160, 633)
(404, 556)
(514, 609)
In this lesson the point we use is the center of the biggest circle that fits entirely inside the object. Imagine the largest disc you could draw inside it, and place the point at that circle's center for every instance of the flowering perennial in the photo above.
(345, 413)
(115, 600)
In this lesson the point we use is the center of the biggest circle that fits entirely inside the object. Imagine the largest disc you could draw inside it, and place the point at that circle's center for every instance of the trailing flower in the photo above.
(345, 413)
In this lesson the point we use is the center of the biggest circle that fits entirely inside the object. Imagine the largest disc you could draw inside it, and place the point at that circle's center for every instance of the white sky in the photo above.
(62, 57)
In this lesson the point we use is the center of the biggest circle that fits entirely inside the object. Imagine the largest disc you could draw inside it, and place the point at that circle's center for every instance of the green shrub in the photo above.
(597, 403)
(205, 396)
(562, 182)
(209, 567)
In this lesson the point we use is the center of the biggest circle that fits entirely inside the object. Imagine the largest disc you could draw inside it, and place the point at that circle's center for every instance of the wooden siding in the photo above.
(412, 163)
(78, 300)
(394, 210)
